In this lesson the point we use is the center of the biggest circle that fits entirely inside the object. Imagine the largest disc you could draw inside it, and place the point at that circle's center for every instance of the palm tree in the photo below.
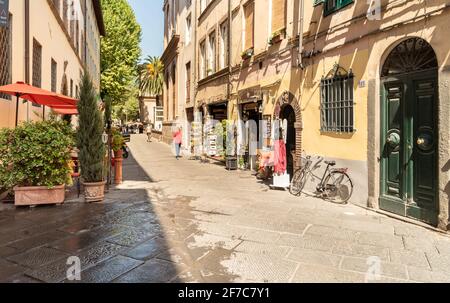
(151, 76)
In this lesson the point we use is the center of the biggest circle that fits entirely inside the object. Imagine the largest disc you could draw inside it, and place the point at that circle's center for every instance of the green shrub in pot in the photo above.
(35, 154)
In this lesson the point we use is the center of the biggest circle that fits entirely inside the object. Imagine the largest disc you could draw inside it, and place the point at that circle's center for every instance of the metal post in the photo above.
(17, 109)
(109, 154)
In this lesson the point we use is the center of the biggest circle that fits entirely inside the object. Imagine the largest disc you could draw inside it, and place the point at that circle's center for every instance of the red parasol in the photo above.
(66, 111)
(37, 95)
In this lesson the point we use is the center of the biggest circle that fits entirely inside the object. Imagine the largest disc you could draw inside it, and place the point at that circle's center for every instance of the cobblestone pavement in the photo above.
(186, 221)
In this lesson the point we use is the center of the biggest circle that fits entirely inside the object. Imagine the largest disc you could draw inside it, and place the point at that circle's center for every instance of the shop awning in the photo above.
(38, 96)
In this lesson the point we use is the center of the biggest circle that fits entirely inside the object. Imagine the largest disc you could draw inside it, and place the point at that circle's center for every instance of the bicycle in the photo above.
(335, 185)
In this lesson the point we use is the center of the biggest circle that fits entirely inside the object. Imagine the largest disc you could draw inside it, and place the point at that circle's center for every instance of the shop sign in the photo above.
(4, 13)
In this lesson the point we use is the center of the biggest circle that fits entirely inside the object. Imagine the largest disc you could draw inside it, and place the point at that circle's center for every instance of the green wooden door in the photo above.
(409, 145)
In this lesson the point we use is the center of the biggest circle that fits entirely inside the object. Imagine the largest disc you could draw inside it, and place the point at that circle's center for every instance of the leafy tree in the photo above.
(120, 49)
(151, 76)
(89, 135)
(128, 111)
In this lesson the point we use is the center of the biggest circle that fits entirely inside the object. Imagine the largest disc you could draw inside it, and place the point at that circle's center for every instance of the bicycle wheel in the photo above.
(298, 182)
(338, 187)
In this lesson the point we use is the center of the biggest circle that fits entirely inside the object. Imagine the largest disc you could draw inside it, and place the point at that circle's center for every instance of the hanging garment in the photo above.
(280, 157)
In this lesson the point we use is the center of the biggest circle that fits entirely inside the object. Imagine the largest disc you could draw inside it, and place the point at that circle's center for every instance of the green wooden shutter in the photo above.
(334, 5)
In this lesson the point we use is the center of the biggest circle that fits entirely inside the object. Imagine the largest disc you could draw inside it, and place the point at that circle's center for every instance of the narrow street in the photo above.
(186, 221)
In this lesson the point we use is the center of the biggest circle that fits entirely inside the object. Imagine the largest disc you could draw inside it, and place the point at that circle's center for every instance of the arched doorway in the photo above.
(287, 112)
(288, 108)
(409, 131)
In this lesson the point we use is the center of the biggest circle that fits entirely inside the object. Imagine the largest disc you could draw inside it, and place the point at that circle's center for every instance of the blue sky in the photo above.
(150, 16)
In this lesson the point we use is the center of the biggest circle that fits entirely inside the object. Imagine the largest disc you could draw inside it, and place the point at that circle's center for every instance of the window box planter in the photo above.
(247, 53)
(38, 195)
(277, 36)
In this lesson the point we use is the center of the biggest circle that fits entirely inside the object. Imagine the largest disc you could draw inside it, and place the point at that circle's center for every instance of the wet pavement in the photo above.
(186, 221)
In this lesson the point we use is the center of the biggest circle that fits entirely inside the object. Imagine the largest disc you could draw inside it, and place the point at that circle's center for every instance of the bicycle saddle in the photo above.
(331, 163)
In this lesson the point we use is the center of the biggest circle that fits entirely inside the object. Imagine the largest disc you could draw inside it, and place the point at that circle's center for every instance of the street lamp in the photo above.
(104, 137)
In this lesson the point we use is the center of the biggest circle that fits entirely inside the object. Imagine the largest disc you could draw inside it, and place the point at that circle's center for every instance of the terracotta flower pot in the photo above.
(94, 192)
(39, 195)
(118, 154)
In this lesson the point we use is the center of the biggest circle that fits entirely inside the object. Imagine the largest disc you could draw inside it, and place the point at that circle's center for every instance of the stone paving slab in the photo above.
(313, 273)
(109, 270)
(153, 271)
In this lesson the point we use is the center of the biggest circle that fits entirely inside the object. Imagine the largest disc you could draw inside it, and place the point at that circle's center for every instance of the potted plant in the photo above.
(276, 36)
(117, 142)
(34, 161)
(247, 53)
(89, 140)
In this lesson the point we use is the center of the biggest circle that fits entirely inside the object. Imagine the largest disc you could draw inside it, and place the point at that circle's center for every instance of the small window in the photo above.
(249, 15)
(211, 54)
(188, 82)
(202, 61)
(278, 15)
(334, 5)
(336, 98)
(5, 57)
(54, 75)
(37, 66)
(188, 29)
(223, 57)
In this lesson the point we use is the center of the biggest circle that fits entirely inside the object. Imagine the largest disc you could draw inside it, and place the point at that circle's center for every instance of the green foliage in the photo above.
(108, 110)
(117, 140)
(89, 135)
(120, 49)
(151, 77)
(35, 154)
(128, 111)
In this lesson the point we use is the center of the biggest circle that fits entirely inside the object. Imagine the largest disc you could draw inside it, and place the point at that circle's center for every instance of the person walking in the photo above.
(149, 132)
(177, 139)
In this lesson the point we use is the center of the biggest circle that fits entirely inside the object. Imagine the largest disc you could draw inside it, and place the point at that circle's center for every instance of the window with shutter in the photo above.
(37, 65)
(54, 75)
(211, 54)
(5, 57)
(249, 13)
(223, 45)
(202, 61)
(278, 15)
(188, 82)
(334, 5)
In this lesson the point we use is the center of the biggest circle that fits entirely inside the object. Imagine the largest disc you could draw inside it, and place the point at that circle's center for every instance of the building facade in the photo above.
(45, 46)
(364, 83)
(179, 66)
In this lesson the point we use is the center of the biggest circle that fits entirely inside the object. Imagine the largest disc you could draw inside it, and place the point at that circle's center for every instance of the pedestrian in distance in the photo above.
(177, 139)
(149, 132)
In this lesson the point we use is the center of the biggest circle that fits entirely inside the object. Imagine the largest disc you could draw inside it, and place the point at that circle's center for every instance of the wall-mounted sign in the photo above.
(4, 13)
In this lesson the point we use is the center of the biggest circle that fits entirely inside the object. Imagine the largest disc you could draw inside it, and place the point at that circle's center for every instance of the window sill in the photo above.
(213, 76)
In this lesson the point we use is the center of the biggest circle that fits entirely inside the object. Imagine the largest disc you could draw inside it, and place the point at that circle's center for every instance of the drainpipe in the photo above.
(27, 51)
(300, 32)
(229, 54)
